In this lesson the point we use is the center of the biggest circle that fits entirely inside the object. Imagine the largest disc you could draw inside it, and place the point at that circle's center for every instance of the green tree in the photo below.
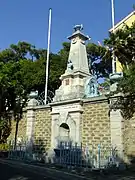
(7, 95)
(123, 44)
(99, 59)
(13, 94)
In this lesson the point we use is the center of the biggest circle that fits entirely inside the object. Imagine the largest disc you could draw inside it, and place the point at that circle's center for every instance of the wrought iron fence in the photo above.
(41, 98)
(66, 154)
(89, 156)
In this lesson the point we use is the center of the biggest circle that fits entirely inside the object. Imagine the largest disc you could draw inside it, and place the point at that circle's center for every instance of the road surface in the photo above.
(13, 171)
(19, 171)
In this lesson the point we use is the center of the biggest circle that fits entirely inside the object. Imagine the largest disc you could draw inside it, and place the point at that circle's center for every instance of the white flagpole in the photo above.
(48, 52)
(113, 18)
(113, 24)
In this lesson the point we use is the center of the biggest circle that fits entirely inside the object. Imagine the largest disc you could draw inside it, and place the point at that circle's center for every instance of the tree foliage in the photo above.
(18, 72)
(99, 60)
(123, 44)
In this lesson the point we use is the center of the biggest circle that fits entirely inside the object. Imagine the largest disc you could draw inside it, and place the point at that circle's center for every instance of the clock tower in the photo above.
(74, 78)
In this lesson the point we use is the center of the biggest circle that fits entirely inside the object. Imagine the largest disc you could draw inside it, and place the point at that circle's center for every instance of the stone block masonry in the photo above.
(21, 128)
(42, 129)
(129, 139)
(96, 123)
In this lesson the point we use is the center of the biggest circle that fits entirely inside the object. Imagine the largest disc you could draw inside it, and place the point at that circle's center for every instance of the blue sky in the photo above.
(27, 20)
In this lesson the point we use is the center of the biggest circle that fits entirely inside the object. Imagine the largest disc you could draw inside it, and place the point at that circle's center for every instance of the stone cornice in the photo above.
(66, 102)
(95, 99)
(81, 101)
(37, 107)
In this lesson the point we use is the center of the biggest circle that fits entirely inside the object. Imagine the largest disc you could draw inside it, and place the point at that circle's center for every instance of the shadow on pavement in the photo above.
(8, 172)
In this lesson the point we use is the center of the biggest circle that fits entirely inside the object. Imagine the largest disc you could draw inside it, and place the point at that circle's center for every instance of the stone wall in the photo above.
(95, 126)
(21, 128)
(96, 123)
(129, 138)
(42, 127)
(42, 131)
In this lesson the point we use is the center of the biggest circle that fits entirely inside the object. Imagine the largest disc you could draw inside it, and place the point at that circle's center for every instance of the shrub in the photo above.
(4, 147)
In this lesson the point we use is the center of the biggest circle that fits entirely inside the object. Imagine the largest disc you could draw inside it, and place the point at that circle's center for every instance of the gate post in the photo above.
(31, 118)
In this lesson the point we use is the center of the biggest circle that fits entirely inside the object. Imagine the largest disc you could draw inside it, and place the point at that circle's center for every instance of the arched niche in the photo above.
(64, 132)
(64, 128)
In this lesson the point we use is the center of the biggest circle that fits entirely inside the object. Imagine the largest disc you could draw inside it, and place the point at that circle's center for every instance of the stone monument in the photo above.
(73, 80)
(66, 106)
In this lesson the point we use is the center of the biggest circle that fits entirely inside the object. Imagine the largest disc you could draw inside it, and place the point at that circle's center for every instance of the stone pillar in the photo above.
(77, 118)
(116, 125)
(116, 119)
(30, 119)
(54, 130)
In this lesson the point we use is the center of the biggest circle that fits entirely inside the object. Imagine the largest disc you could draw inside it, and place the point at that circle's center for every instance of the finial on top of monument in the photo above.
(78, 27)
